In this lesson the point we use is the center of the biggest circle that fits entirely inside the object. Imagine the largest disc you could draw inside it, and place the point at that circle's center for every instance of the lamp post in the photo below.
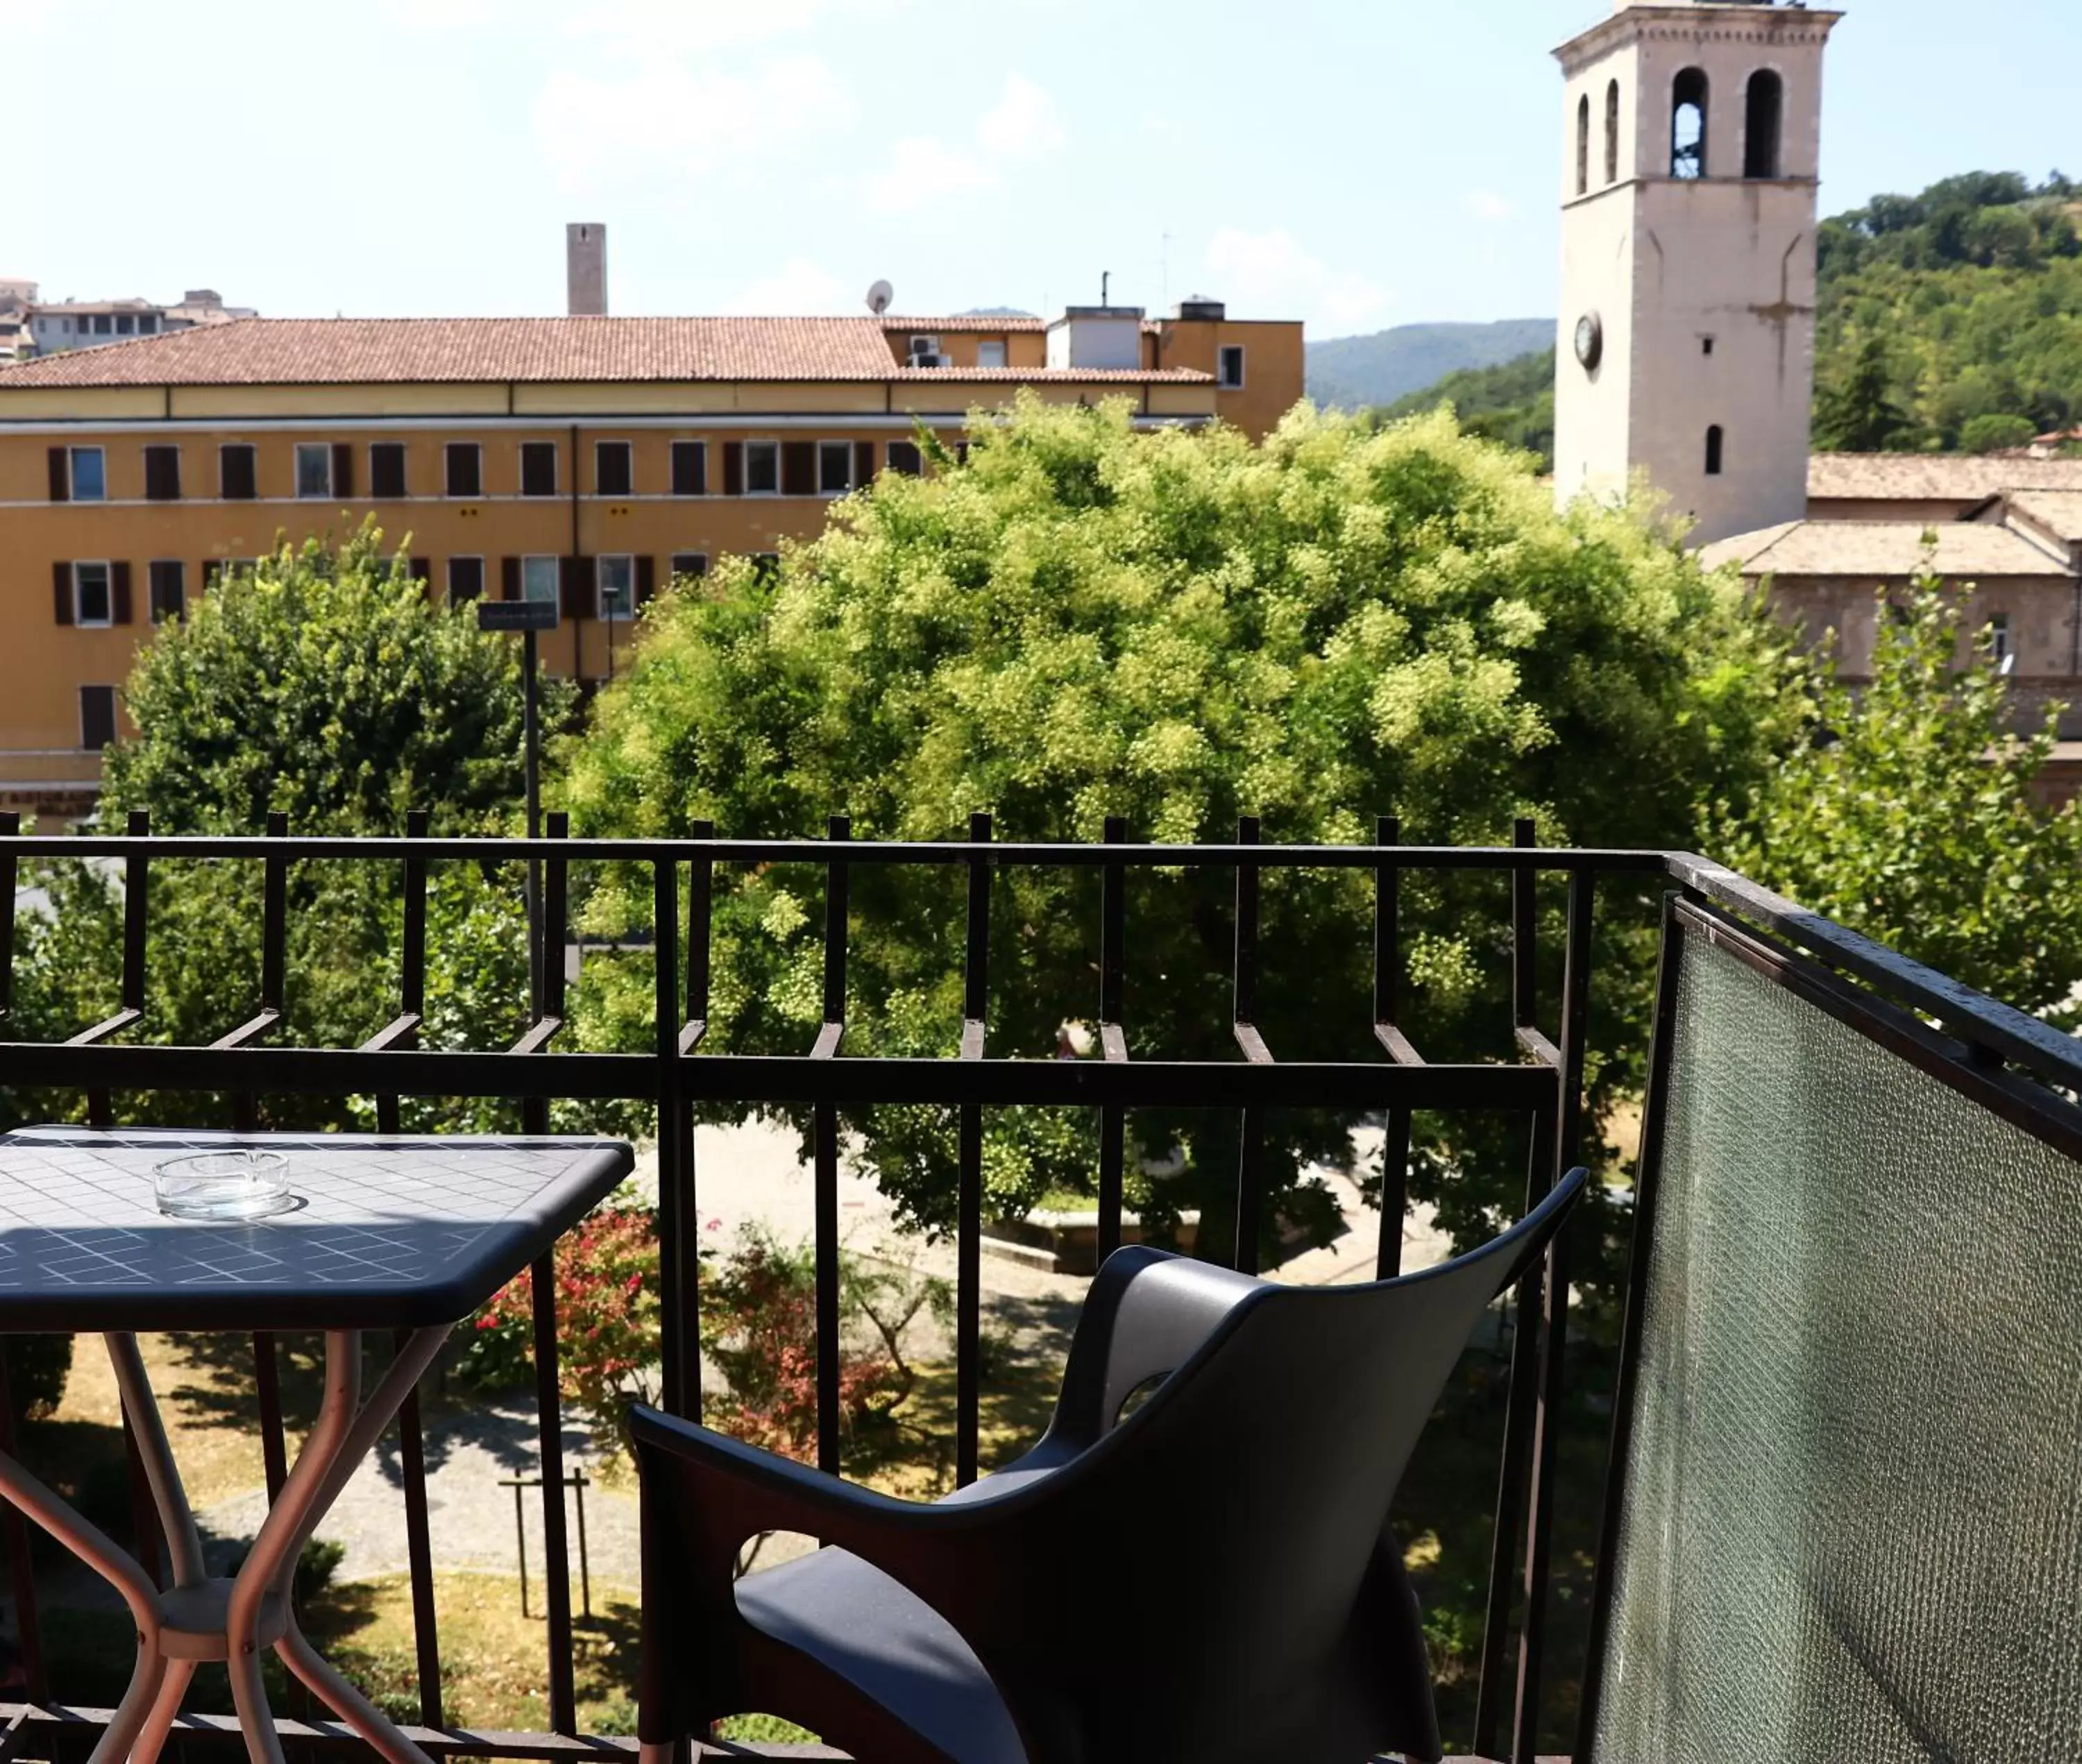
(527, 618)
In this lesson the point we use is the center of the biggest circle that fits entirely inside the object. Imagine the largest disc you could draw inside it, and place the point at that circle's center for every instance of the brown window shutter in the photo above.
(863, 464)
(647, 577)
(387, 471)
(235, 472)
(61, 587)
(798, 468)
(343, 471)
(422, 569)
(904, 458)
(60, 476)
(162, 474)
(570, 573)
(690, 469)
(119, 592)
(509, 579)
(733, 468)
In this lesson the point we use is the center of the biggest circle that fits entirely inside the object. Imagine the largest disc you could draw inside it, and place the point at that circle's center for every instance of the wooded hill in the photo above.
(1949, 322)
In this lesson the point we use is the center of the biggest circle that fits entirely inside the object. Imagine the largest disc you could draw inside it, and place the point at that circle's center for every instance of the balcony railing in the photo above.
(1773, 1029)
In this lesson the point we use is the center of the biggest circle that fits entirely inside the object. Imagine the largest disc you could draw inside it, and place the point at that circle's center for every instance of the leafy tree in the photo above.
(1179, 629)
(1912, 813)
(1993, 433)
(326, 683)
(1857, 414)
(1513, 403)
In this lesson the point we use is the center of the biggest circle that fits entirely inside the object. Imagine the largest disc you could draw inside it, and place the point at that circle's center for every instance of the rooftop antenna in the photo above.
(878, 297)
(1106, 278)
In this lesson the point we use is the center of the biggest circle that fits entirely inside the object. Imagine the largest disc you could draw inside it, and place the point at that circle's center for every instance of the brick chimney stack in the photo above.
(585, 263)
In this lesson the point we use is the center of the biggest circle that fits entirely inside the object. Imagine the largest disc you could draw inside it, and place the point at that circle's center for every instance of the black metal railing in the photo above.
(677, 1074)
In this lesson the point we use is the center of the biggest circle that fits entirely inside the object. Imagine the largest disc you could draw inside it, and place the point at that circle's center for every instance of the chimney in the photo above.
(585, 263)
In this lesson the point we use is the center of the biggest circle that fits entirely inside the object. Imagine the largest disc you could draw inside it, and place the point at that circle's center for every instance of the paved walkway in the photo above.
(742, 1175)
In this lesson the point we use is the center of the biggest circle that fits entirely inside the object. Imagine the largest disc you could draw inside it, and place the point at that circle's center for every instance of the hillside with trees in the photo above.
(1352, 373)
(1949, 322)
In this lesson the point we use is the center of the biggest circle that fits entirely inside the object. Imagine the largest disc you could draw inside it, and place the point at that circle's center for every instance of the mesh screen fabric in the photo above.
(1853, 1516)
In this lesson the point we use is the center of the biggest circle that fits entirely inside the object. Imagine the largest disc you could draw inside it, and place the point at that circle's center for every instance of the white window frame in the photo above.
(73, 456)
(2002, 645)
(555, 596)
(457, 496)
(998, 343)
(1221, 351)
(630, 447)
(601, 610)
(483, 584)
(672, 560)
(845, 449)
(108, 591)
(774, 450)
(520, 469)
(323, 449)
(115, 713)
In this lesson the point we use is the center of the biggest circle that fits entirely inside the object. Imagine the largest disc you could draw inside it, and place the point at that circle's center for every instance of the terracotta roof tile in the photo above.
(334, 351)
(1880, 548)
(2057, 511)
(1934, 477)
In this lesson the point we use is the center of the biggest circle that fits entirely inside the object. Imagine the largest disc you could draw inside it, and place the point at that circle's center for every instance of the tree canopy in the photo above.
(1085, 621)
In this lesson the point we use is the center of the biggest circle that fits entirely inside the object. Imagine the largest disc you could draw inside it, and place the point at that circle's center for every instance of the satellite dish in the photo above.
(879, 298)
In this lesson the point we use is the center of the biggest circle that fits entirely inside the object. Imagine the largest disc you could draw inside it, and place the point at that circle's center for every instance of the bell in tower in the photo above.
(1686, 353)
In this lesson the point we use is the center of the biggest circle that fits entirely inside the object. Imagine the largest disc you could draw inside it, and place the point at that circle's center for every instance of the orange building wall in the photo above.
(1275, 368)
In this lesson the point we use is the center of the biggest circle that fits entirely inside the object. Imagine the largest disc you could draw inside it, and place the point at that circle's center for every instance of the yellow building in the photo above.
(585, 459)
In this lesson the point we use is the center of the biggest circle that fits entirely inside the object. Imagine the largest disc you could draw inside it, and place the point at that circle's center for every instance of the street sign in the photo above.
(516, 615)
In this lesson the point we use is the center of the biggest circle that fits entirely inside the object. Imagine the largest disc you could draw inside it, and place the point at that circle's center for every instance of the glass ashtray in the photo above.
(221, 1185)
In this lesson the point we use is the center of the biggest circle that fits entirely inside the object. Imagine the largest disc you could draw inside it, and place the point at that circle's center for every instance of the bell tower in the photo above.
(1688, 208)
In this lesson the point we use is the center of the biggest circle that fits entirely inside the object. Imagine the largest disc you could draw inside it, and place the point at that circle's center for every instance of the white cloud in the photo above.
(1021, 127)
(666, 118)
(1024, 123)
(655, 27)
(1488, 205)
(799, 287)
(1271, 275)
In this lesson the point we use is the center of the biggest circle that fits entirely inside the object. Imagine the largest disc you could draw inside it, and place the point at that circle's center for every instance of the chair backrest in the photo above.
(1206, 1580)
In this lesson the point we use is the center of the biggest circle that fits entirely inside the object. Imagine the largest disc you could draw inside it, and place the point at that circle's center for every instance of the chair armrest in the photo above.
(1146, 1313)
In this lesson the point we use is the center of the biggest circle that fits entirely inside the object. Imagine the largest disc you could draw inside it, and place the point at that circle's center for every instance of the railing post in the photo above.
(686, 1320)
(1250, 1137)
(676, 1245)
(968, 1202)
(826, 1152)
(1387, 1017)
(1113, 1035)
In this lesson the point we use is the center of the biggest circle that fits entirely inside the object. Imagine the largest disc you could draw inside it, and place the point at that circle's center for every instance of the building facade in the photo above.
(1686, 349)
(53, 327)
(587, 461)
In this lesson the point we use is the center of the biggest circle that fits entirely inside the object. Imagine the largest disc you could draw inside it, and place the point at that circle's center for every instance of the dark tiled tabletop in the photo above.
(392, 1231)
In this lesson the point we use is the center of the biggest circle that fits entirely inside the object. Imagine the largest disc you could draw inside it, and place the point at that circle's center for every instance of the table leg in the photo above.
(165, 1706)
(149, 1429)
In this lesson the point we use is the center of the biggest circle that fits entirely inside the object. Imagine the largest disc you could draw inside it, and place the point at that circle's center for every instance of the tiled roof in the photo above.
(2057, 511)
(963, 322)
(1933, 477)
(1880, 548)
(335, 351)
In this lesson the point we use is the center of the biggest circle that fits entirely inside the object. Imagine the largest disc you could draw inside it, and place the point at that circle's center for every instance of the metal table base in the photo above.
(233, 1620)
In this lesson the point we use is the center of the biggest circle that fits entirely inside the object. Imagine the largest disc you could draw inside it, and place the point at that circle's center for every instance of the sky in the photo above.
(1356, 163)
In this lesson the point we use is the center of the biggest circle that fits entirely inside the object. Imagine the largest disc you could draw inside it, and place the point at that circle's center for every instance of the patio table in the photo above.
(391, 1233)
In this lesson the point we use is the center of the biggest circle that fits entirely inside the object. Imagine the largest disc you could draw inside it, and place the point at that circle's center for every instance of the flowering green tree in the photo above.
(1914, 813)
(1085, 621)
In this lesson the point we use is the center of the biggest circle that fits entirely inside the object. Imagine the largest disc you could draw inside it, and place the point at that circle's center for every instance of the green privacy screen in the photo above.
(1852, 1518)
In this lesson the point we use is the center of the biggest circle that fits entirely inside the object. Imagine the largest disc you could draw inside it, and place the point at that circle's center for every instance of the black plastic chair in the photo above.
(1211, 1578)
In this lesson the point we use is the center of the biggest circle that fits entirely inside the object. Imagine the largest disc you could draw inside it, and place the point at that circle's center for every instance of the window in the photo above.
(93, 597)
(1584, 146)
(612, 474)
(90, 474)
(690, 468)
(102, 327)
(97, 716)
(126, 325)
(1687, 125)
(167, 579)
(235, 472)
(1763, 110)
(990, 353)
(538, 468)
(1705, 345)
(690, 563)
(834, 468)
(1612, 131)
(905, 458)
(313, 470)
(1714, 440)
(765, 566)
(762, 468)
(615, 578)
(148, 323)
(539, 579)
(162, 474)
(1229, 366)
(2000, 649)
(465, 579)
(464, 475)
(386, 470)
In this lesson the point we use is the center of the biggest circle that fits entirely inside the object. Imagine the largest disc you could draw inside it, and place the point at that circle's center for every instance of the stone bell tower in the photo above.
(1688, 205)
